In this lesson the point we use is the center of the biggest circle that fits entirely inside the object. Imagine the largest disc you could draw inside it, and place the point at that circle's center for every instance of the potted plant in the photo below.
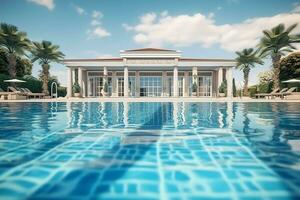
(105, 89)
(194, 89)
(223, 89)
(76, 90)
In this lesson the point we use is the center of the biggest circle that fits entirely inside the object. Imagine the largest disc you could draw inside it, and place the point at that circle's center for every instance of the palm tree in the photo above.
(247, 59)
(46, 52)
(275, 43)
(13, 43)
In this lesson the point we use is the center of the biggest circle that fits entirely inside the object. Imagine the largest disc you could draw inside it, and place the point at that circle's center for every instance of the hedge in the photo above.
(252, 91)
(265, 88)
(32, 83)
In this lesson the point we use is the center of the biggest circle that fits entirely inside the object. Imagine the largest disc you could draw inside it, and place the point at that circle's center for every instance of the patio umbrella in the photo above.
(292, 81)
(14, 81)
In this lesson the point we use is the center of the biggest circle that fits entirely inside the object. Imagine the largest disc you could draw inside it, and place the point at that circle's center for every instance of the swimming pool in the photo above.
(149, 150)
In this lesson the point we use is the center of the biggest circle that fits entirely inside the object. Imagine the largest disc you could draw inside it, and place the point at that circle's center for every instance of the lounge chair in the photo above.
(33, 94)
(259, 95)
(4, 95)
(13, 95)
(289, 92)
(278, 94)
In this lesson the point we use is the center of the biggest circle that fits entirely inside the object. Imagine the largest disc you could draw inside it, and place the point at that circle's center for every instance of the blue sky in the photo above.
(101, 28)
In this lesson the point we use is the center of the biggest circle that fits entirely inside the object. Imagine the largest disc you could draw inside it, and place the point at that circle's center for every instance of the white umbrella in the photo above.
(291, 81)
(14, 81)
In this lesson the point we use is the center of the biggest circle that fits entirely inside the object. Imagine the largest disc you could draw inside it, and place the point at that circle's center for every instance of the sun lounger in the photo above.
(4, 95)
(13, 95)
(16, 90)
(278, 94)
(259, 95)
(33, 94)
(289, 92)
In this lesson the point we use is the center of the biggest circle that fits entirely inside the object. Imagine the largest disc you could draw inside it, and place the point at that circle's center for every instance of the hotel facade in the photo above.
(149, 72)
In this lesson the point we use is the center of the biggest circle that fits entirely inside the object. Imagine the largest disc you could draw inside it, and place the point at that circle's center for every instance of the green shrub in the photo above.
(105, 87)
(252, 91)
(234, 88)
(194, 88)
(76, 88)
(223, 87)
(61, 91)
(32, 83)
(265, 87)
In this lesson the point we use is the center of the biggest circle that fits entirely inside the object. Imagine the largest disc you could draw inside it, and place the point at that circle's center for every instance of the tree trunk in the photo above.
(45, 78)
(12, 62)
(246, 80)
(276, 70)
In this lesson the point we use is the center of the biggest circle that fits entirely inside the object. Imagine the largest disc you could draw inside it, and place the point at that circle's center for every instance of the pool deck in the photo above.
(150, 99)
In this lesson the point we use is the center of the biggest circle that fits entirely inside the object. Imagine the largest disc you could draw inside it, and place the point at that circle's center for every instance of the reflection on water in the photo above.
(170, 140)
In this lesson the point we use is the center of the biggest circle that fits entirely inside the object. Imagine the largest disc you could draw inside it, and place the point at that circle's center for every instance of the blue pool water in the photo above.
(149, 151)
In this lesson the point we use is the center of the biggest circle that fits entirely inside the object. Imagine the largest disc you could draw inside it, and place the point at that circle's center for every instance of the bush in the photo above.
(61, 91)
(234, 88)
(252, 91)
(265, 87)
(32, 83)
(76, 88)
(194, 88)
(223, 87)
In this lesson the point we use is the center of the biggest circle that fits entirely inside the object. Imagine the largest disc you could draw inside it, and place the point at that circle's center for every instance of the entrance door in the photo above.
(170, 86)
(205, 86)
(131, 86)
(120, 86)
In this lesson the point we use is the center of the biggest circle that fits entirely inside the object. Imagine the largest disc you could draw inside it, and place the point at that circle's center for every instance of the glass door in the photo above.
(120, 86)
(170, 86)
(131, 86)
(205, 86)
(180, 86)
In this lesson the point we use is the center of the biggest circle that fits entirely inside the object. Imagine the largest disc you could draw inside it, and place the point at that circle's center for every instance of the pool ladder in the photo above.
(54, 95)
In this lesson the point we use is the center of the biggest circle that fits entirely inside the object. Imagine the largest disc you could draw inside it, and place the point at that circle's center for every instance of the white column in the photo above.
(125, 81)
(114, 84)
(220, 76)
(195, 74)
(175, 81)
(185, 84)
(137, 84)
(70, 81)
(164, 84)
(80, 80)
(229, 82)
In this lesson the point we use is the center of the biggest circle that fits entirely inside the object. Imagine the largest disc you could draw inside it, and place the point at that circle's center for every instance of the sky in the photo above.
(101, 28)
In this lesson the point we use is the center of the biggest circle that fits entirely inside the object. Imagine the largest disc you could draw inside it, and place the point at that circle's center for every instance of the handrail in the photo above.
(54, 95)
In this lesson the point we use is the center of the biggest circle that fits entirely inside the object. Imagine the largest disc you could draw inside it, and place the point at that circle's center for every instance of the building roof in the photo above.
(206, 60)
(92, 59)
(120, 59)
(148, 49)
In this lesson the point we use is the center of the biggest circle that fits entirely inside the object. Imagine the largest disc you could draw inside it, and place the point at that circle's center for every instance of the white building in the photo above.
(149, 72)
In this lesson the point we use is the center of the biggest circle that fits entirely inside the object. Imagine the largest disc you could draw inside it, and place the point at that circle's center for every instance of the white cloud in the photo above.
(187, 30)
(164, 13)
(97, 14)
(47, 3)
(95, 22)
(80, 10)
(127, 27)
(219, 8)
(98, 32)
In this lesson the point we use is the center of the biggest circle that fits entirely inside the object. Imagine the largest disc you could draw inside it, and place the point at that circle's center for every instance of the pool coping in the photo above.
(150, 99)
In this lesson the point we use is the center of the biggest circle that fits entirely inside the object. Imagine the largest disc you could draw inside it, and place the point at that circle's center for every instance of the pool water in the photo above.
(145, 151)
